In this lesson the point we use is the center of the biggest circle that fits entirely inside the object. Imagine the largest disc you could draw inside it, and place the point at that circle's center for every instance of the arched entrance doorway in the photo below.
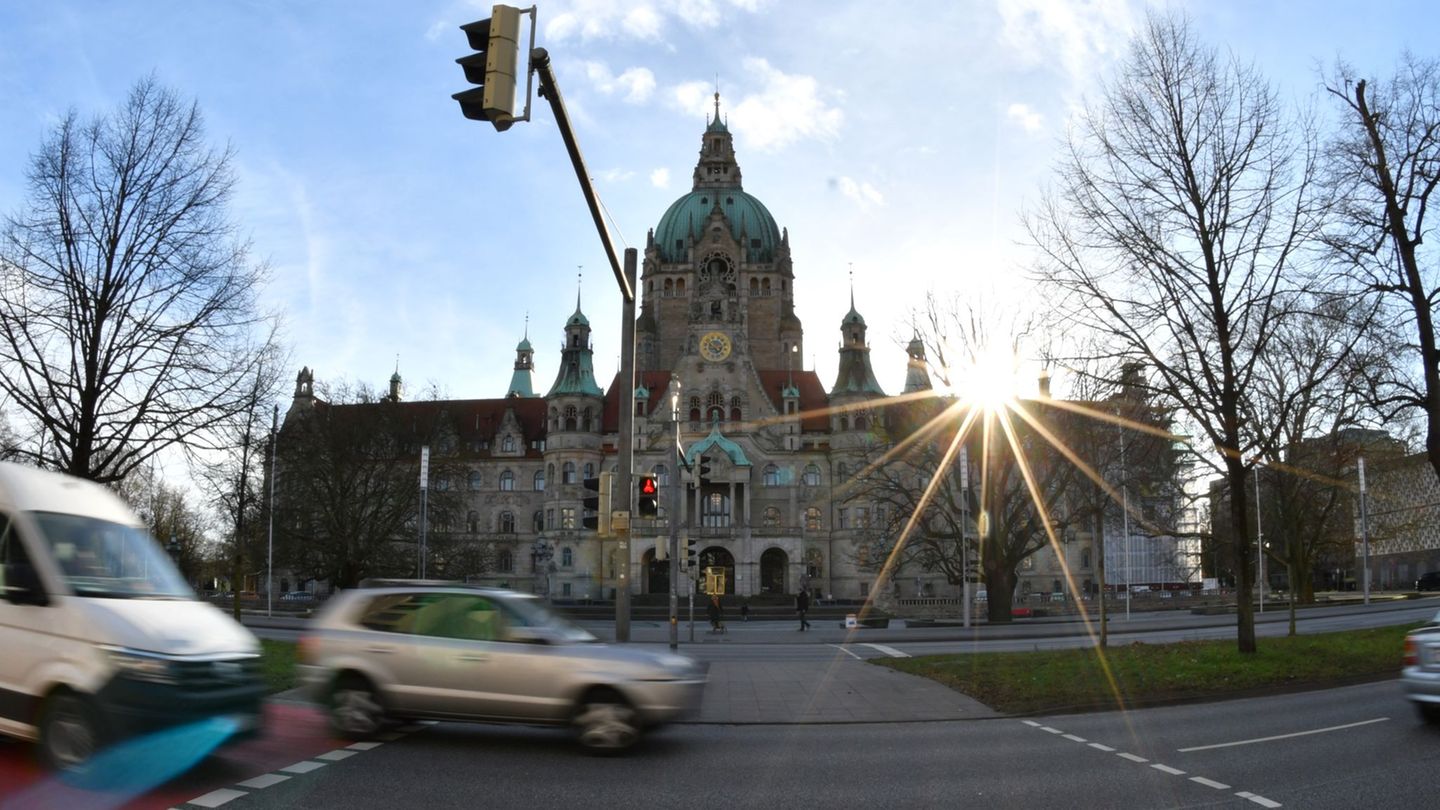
(717, 557)
(657, 572)
(772, 571)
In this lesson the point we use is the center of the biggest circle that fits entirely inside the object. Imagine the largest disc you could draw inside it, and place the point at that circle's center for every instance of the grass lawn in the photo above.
(277, 659)
(1054, 680)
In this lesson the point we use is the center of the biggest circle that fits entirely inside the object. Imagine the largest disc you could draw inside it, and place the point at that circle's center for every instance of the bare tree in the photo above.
(1182, 201)
(128, 319)
(347, 486)
(1383, 168)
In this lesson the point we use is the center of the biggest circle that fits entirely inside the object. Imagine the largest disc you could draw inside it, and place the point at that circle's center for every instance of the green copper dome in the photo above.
(750, 223)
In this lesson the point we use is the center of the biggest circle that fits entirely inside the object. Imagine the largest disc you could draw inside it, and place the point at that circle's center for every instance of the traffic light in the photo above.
(496, 43)
(702, 471)
(691, 559)
(597, 504)
(647, 505)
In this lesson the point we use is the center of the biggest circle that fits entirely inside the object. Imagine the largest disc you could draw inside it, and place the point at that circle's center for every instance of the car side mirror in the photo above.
(21, 585)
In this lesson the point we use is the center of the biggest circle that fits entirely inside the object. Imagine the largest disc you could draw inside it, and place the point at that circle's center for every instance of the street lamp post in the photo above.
(1260, 538)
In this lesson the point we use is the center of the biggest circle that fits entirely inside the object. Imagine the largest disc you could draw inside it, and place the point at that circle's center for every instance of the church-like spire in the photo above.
(717, 168)
(577, 366)
(522, 381)
(855, 376)
(917, 369)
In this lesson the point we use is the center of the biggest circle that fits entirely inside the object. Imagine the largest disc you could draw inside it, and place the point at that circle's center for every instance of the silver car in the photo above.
(418, 649)
(1421, 676)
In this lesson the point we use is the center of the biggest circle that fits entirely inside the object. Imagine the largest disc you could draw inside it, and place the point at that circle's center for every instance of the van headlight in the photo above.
(140, 666)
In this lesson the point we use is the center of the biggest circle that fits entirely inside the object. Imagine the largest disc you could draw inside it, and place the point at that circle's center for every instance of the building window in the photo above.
(504, 560)
(508, 446)
(862, 517)
(567, 558)
(859, 423)
(844, 423)
(812, 475)
(567, 517)
(1085, 558)
(662, 475)
(571, 416)
(472, 522)
(864, 589)
(442, 482)
(842, 473)
(507, 481)
(507, 522)
(568, 471)
(589, 470)
(537, 521)
(716, 510)
(473, 481)
(565, 586)
(549, 518)
(842, 518)
(812, 518)
(772, 475)
(772, 516)
(539, 480)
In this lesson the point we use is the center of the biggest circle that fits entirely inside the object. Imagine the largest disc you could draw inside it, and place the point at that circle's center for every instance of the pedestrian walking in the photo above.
(745, 610)
(802, 606)
(717, 615)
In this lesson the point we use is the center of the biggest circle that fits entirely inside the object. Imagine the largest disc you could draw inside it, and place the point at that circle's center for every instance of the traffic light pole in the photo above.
(673, 520)
(624, 476)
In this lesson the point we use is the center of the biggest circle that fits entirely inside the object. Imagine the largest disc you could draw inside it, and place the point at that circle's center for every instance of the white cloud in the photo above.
(660, 178)
(785, 109)
(437, 28)
(1025, 116)
(616, 175)
(643, 20)
(1077, 33)
(864, 194)
(636, 83)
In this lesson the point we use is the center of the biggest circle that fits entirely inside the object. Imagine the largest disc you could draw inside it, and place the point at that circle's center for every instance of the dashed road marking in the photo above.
(1199, 780)
(337, 755)
(304, 766)
(262, 781)
(215, 798)
(362, 746)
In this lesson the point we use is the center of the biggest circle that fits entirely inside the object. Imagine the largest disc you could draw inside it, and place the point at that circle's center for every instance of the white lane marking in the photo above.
(304, 766)
(363, 746)
(1260, 800)
(1074, 738)
(1210, 783)
(337, 755)
(890, 651)
(1031, 723)
(1131, 757)
(262, 781)
(1051, 730)
(1281, 736)
(841, 648)
(1100, 747)
(215, 798)
(1167, 769)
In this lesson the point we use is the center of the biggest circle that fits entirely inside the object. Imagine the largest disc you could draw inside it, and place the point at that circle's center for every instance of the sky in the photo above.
(897, 142)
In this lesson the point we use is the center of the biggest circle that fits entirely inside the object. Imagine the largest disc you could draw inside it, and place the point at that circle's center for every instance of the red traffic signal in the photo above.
(647, 505)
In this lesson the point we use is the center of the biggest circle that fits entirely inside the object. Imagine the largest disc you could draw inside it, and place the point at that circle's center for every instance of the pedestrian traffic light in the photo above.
(647, 506)
(596, 504)
(492, 67)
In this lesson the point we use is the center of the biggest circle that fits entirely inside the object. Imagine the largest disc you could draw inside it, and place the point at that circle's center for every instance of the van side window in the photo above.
(12, 554)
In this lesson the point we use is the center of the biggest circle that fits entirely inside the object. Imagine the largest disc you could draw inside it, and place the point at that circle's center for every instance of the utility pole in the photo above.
(625, 475)
(1364, 531)
(270, 532)
(965, 534)
(1260, 538)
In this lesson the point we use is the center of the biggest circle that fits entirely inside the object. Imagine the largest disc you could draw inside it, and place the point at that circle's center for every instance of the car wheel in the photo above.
(355, 707)
(69, 731)
(1429, 712)
(606, 723)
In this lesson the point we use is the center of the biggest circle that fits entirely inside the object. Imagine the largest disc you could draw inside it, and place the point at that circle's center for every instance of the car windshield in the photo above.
(533, 613)
(110, 560)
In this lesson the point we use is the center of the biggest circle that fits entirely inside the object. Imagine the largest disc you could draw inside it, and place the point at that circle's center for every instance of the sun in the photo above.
(988, 380)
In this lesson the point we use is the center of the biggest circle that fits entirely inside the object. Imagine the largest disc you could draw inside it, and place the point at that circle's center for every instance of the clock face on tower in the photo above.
(715, 346)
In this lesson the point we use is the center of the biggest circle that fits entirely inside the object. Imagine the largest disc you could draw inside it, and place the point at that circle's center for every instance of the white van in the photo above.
(100, 637)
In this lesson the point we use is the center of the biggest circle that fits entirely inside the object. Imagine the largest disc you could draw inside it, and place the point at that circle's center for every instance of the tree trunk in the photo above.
(999, 594)
(1244, 607)
(1100, 575)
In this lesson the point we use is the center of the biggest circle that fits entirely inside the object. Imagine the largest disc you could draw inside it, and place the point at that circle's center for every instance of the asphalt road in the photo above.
(1360, 746)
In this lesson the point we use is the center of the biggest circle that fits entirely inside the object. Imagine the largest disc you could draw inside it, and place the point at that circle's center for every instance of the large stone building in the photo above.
(718, 349)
